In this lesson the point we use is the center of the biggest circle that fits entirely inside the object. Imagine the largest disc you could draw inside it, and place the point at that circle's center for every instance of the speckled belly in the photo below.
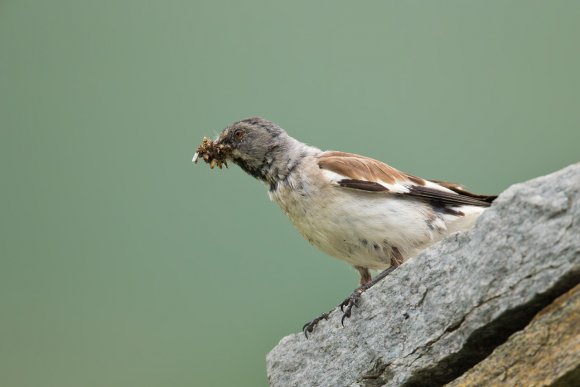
(360, 229)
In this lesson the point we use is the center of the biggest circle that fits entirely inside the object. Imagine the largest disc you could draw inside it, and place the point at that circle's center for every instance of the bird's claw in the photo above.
(347, 304)
(345, 307)
(309, 326)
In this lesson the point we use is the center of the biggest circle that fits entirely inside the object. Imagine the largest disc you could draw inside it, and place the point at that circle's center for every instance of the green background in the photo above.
(122, 264)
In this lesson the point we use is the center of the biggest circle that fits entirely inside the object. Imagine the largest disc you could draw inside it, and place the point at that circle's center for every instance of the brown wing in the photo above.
(357, 167)
(366, 174)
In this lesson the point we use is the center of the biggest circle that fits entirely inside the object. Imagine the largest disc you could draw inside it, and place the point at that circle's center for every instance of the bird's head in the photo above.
(254, 144)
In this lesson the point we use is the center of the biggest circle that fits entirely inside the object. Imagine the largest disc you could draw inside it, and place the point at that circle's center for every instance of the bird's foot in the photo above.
(347, 305)
(352, 300)
(309, 326)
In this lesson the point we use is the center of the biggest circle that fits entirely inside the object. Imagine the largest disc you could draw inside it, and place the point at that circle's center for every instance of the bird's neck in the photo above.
(281, 160)
(287, 160)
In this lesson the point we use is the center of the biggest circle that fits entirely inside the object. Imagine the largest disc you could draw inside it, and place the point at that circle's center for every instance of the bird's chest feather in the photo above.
(359, 229)
(300, 200)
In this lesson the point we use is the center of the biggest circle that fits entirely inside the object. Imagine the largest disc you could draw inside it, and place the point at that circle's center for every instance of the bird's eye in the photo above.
(239, 133)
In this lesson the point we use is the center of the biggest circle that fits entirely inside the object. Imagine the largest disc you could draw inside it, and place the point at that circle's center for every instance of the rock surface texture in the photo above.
(546, 352)
(457, 304)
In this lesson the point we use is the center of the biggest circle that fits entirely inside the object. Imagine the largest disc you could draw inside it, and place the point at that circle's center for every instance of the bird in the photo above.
(354, 208)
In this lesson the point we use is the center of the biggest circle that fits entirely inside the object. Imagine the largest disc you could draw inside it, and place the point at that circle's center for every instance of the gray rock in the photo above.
(445, 310)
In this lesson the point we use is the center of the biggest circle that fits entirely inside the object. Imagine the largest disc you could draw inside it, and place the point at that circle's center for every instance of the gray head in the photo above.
(261, 148)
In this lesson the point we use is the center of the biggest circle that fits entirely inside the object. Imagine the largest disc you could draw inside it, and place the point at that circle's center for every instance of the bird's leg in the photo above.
(365, 275)
(352, 300)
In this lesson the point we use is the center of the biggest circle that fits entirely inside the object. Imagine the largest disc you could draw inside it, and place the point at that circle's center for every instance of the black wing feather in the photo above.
(447, 198)
(363, 185)
(435, 196)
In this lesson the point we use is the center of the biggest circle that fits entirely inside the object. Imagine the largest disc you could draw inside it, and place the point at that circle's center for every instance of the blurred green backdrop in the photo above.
(122, 264)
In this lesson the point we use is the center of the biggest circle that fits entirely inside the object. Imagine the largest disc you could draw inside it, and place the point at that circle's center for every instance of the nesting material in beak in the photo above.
(212, 153)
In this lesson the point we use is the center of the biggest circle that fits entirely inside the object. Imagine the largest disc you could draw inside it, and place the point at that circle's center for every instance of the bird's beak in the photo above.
(195, 157)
